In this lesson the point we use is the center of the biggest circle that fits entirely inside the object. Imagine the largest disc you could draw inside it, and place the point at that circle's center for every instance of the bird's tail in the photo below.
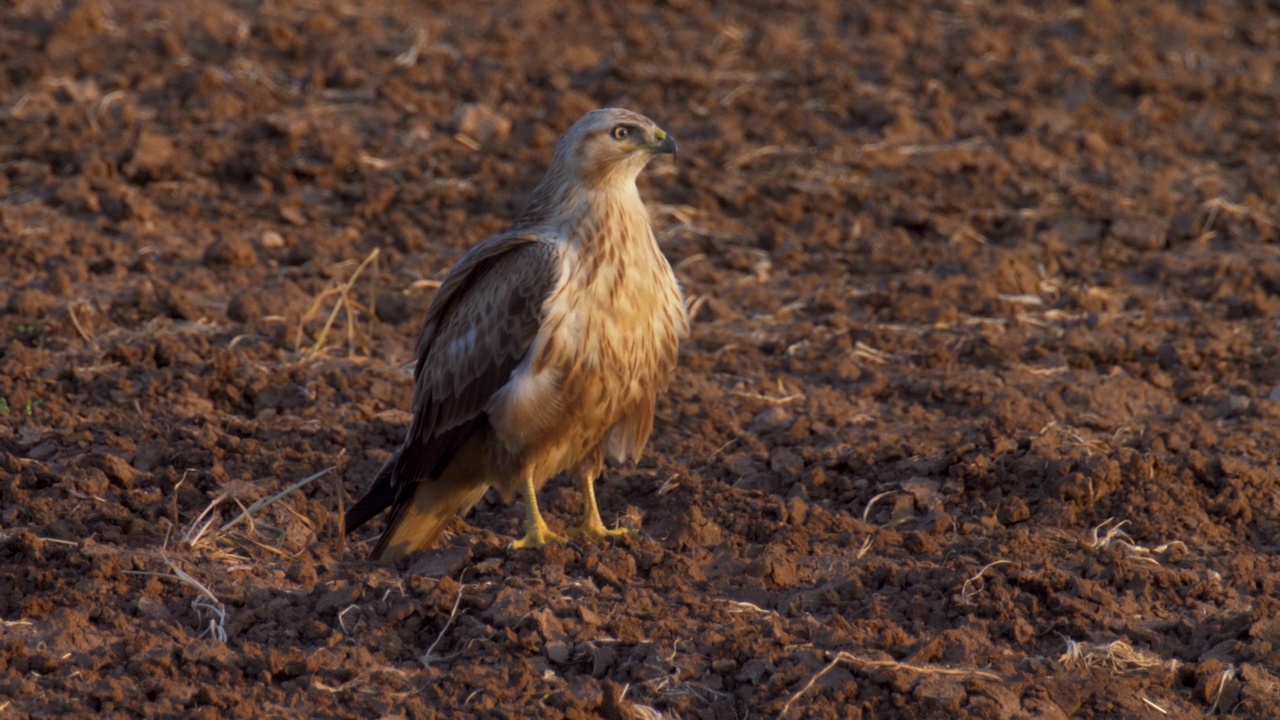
(417, 522)
(381, 493)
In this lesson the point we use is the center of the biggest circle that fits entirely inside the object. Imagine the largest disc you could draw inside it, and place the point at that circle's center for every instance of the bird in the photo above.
(544, 349)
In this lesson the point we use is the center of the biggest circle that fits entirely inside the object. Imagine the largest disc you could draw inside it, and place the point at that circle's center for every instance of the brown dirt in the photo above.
(979, 415)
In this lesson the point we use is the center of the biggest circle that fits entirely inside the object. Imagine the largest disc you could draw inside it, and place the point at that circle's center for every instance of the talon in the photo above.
(536, 532)
(591, 525)
(536, 536)
(600, 532)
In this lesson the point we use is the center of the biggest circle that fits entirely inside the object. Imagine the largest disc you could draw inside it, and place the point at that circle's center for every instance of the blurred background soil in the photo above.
(978, 418)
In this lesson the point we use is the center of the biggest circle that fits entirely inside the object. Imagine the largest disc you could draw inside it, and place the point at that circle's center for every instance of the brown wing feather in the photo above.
(479, 328)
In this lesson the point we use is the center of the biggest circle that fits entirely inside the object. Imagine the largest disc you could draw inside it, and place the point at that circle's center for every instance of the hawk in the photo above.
(544, 349)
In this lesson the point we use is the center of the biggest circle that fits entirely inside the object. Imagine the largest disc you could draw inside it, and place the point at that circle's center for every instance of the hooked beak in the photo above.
(666, 143)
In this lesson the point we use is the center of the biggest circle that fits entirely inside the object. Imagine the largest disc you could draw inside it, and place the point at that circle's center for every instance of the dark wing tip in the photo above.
(378, 497)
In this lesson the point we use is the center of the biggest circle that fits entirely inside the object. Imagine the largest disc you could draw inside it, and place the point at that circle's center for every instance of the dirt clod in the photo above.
(977, 418)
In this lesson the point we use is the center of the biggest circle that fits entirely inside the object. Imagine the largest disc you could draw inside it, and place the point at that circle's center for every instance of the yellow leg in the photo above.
(536, 532)
(591, 523)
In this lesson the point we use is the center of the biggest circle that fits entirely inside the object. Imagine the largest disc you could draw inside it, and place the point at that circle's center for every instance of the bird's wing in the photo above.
(480, 326)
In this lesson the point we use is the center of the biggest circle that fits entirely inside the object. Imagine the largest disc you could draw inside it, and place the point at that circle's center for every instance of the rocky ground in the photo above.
(978, 418)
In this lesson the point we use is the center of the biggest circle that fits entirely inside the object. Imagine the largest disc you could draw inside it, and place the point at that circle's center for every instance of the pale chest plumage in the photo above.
(606, 347)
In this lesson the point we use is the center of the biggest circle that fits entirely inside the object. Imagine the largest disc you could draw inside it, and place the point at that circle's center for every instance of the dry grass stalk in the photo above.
(1117, 655)
(264, 503)
(1158, 709)
(426, 657)
(359, 679)
(882, 664)
(975, 584)
(342, 619)
(1232, 210)
(409, 57)
(866, 512)
(668, 485)
(1022, 299)
(345, 302)
(200, 526)
(207, 602)
(872, 355)
(1107, 534)
(671, 684)
(423, 285)
(71, 312)
(647, 712)
(768, 399)
(342, 514)
(722, 448)
(866, 547)
(1227, 675)
(200, 532)
(760, 153)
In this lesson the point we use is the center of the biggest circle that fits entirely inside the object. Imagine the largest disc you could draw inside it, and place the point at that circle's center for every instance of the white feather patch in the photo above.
(523, 409)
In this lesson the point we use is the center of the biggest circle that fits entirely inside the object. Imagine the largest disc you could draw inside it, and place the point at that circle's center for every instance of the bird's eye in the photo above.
(621, 132)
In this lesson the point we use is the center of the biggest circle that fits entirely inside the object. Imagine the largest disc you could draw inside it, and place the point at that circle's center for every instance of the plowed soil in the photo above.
(978, 419)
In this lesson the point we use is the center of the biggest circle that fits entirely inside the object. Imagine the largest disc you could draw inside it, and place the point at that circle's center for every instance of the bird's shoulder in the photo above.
(482, 323)
(499, 274)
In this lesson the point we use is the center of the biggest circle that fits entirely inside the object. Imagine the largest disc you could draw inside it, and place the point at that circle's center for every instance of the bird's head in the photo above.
(610, 146)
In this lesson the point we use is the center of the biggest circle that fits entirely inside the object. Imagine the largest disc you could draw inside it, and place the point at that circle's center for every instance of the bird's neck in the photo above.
(582, 215)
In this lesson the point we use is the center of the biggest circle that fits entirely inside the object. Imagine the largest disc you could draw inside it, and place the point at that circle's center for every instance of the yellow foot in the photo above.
(599, 531)
(536, 536)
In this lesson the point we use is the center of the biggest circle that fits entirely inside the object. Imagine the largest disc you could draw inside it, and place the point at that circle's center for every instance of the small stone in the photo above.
(771, 420)
(92, 482)
(148, 607)
(1233, 406)
(481, 123)
(29, 303)
(117, 469)
(549, 625)
(938, 694)
(1140, 233)
(755, 669)
(797, 510)
(589, 616)
(761, 481)
(245, 306)
(510, 607)
(584, 692)
(230, 251)
(338, 599)
(271, 240)
(1267, 629)
(724, 665)
(300, 254)
(558, 652)
(443, 563)
(152, 157)
(77, 196)
(392, 308)
(1013, 510)
(603, 658)
(179, 303)
(292, 214)
(786, 462)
